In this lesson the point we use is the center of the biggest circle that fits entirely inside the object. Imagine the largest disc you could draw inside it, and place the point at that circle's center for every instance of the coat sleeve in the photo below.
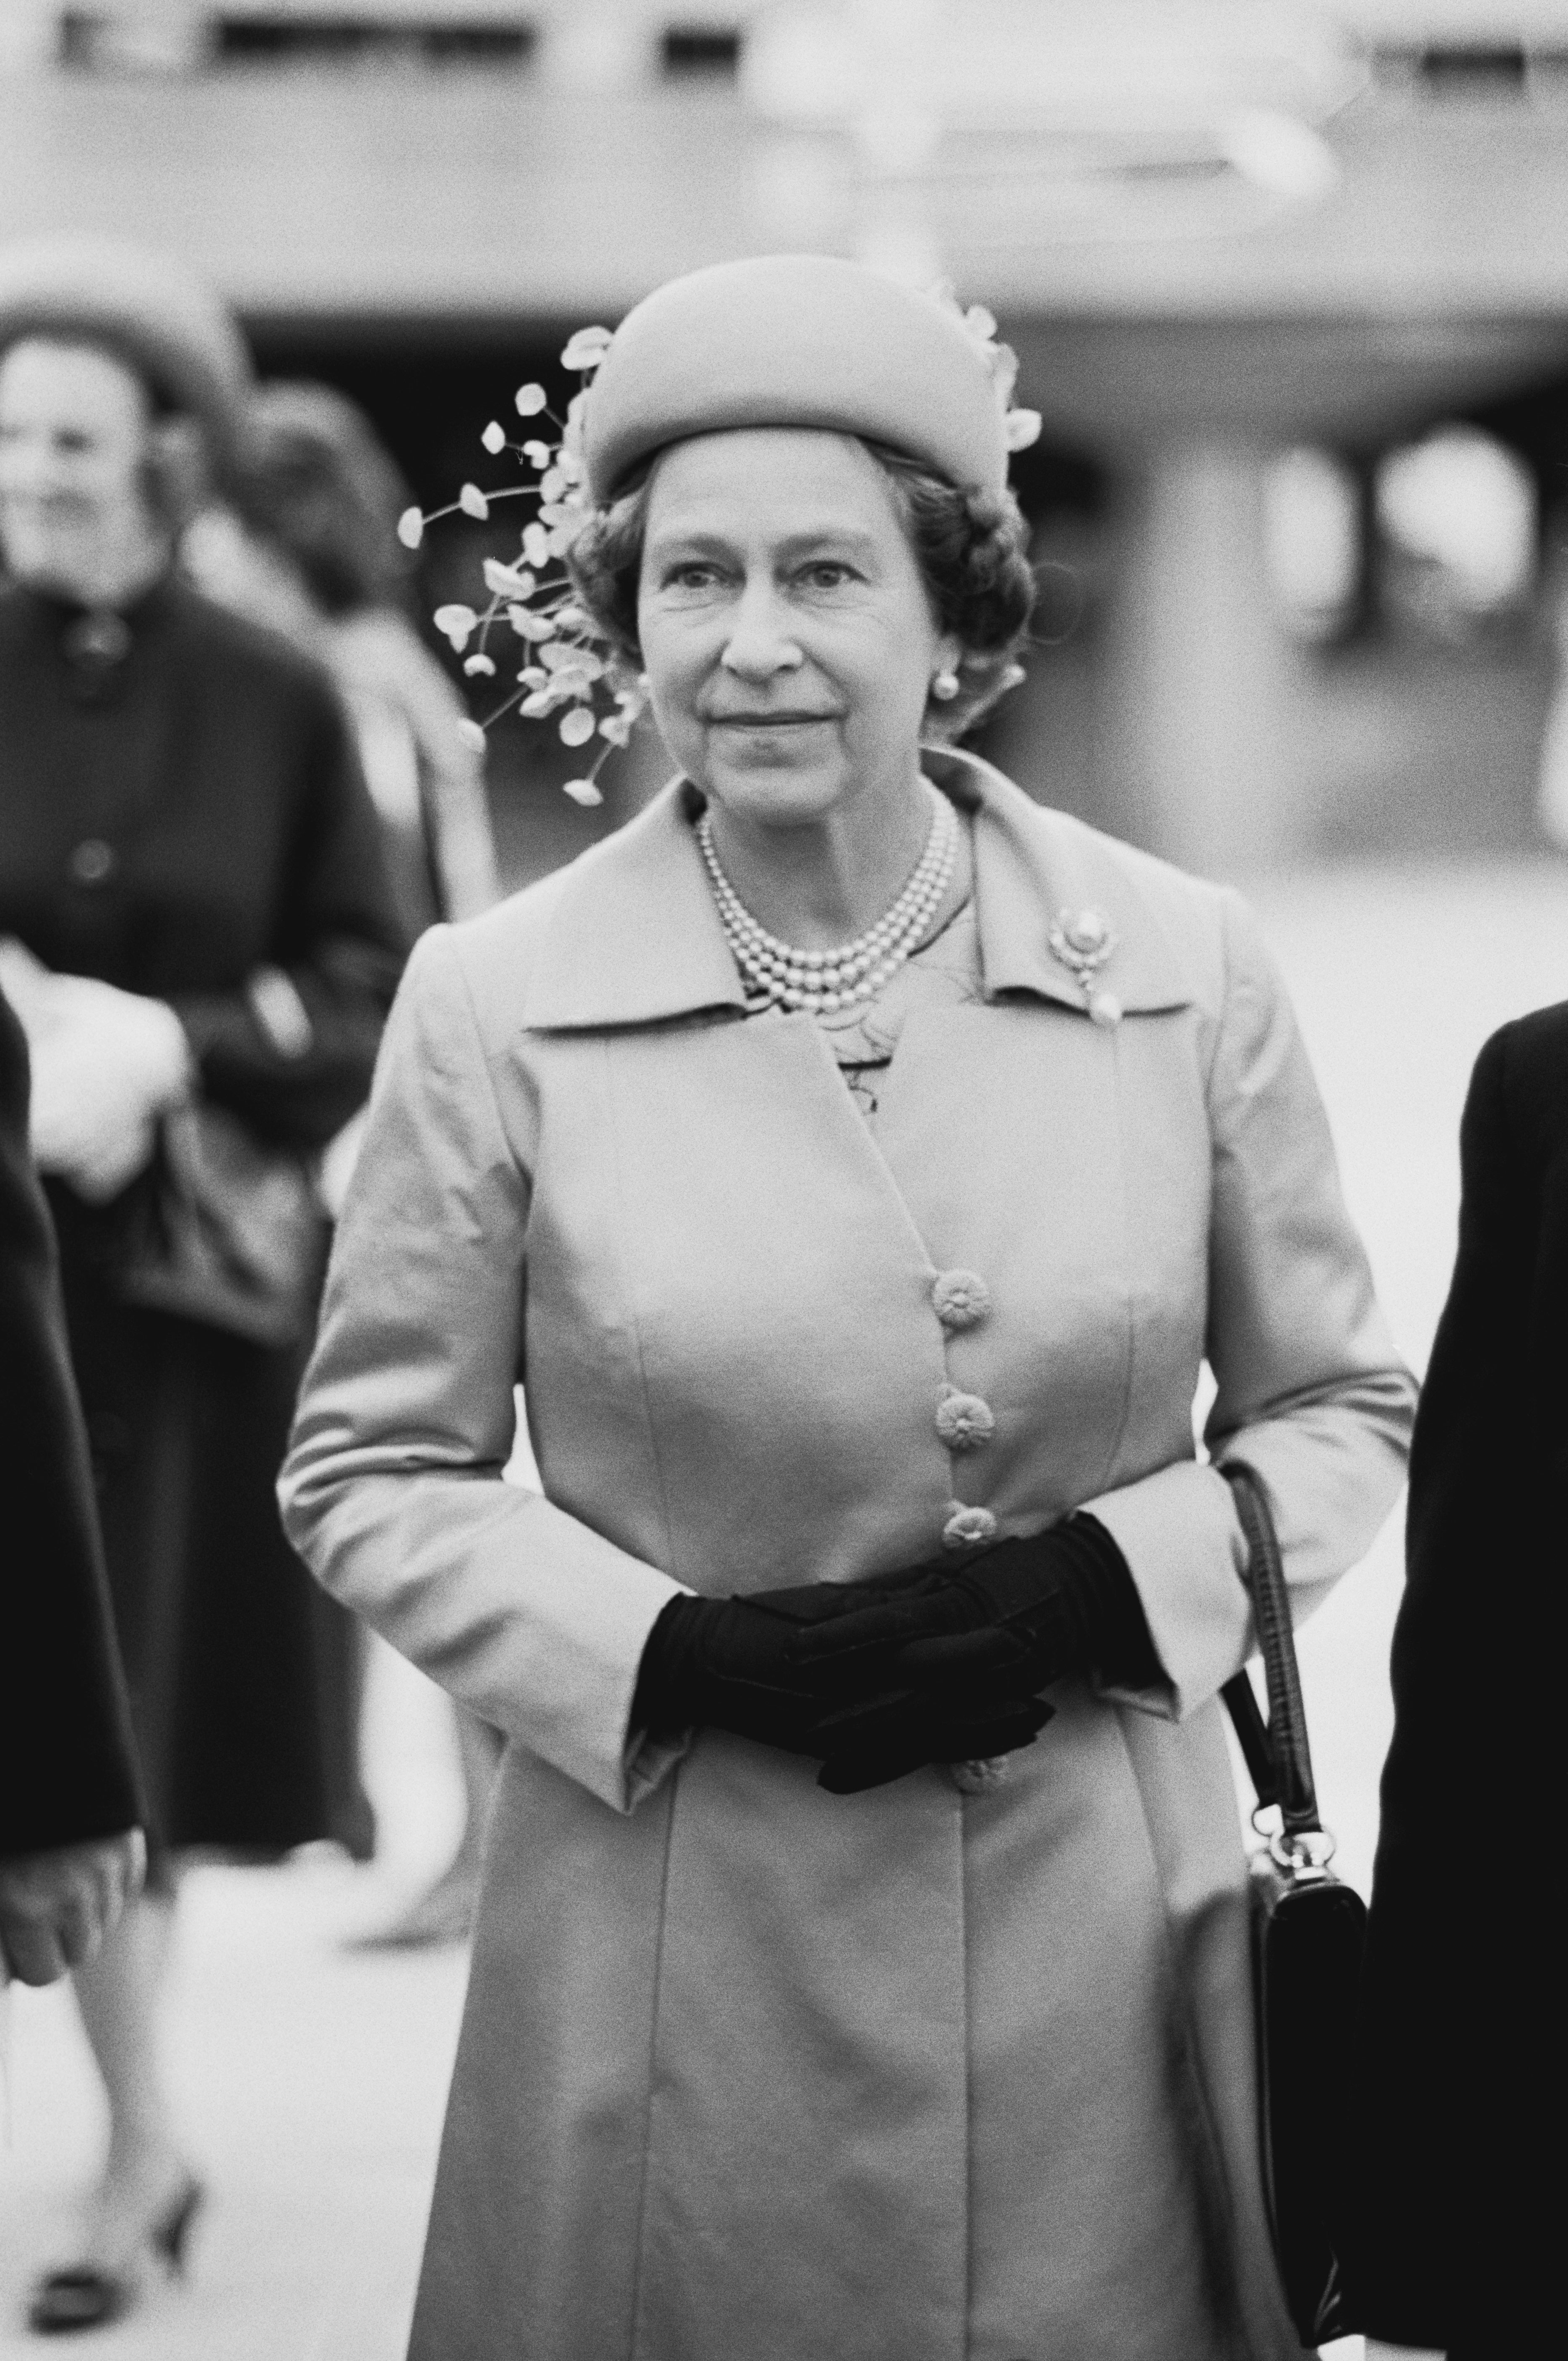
(393, 1490)
(1309, 1390)
(294, 1050)
(67, 1770)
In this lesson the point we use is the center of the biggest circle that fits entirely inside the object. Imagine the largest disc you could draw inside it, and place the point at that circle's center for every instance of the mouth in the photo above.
(780, 720)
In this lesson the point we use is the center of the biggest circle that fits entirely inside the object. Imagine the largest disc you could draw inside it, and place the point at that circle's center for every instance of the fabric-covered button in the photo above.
(966, 1528)
(961, 1298)
(964, 1420)
(101, 638)
(93, 862)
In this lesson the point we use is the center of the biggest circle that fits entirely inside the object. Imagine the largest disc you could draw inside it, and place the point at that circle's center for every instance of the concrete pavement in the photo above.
(310, 2081)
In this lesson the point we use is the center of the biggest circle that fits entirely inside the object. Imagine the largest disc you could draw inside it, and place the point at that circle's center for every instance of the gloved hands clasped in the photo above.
(944, 1663)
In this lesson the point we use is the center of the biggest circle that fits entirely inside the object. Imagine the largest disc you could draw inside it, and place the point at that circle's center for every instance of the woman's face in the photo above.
(74, 433)
(785, 628)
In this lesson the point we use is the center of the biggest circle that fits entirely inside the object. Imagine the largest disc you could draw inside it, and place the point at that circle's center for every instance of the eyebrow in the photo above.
(673, 537)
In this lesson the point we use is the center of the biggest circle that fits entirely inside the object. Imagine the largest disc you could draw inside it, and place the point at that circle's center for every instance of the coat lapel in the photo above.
(1033, 866)
(634, 938)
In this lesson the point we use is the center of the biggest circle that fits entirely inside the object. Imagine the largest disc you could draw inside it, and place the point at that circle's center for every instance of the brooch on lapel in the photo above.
(1083, 941)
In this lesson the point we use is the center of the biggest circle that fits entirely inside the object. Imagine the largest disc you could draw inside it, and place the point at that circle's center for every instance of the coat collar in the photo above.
(633, 936)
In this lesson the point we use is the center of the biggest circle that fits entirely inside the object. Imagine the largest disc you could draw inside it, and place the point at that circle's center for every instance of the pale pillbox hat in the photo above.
(793, 340)
(142, 306)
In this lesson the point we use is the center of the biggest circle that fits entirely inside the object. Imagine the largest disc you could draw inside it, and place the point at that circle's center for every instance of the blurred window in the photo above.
(696, 48)
(1470, 69)
(1312, 530)
(363, 37)
(1456, 518)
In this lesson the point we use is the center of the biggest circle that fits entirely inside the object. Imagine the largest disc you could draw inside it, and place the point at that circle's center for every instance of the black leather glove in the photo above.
(727, 1664)
(732, 1663)
(867, 1748)
(996, 1627)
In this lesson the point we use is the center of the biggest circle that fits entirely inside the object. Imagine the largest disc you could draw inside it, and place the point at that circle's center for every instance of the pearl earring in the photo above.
(945, 686)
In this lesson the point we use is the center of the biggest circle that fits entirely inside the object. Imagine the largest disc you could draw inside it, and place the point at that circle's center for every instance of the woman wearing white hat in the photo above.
(858, 1162)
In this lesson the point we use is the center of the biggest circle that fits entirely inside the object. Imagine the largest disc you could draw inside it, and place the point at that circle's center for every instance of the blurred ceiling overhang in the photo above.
(1429, 261)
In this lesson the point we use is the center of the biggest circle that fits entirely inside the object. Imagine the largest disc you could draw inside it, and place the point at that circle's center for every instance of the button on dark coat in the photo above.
(67, 1772)
(1462, 2033)
(183, 815)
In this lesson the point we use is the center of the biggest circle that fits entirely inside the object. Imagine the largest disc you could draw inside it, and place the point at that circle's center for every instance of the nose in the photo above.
(760, 645)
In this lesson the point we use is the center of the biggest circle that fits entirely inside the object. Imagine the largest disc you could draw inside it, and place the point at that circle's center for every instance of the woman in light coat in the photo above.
(876, 1287)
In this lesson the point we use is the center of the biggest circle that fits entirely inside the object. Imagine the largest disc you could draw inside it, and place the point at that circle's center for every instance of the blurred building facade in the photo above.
(1290, 284)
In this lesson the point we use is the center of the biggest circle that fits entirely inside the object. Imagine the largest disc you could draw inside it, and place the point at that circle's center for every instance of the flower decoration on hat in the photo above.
(566, 667)
(1022, 426)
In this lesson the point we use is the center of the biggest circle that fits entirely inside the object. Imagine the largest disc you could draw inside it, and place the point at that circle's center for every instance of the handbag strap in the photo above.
(1277, 1755)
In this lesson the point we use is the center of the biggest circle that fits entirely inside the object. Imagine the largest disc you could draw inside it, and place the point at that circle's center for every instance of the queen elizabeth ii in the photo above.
(859, 1162)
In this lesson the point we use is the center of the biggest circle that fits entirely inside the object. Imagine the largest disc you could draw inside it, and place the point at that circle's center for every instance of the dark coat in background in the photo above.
(67, 1770)
(1462, 2041)
(181, 811)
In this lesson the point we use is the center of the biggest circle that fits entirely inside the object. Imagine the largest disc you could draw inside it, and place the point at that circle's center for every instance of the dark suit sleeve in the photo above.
(337, 937)
(67, 1769)
(1455, 2009)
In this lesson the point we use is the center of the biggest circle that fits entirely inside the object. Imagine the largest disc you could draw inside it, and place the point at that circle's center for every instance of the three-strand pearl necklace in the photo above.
(822, 982)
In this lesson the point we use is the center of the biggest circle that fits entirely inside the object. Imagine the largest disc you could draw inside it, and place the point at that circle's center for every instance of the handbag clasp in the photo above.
(1303, 1853)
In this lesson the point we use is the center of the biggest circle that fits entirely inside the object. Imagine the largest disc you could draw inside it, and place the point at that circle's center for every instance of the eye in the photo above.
(692, 573)
(826, 574)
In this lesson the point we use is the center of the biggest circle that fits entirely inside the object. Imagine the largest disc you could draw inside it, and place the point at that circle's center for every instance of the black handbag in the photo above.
(226, 1230)
(1309, 1932)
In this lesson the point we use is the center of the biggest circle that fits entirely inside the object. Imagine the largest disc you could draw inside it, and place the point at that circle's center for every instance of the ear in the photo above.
(175, 477)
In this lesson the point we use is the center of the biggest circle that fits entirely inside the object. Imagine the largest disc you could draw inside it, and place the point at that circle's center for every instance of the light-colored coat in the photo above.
(751, 2073)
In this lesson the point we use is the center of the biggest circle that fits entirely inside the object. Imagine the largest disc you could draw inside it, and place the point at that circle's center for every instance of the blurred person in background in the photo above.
(1462, 2047)
(196, 931)
(71, 1849)
(858, 1162)
(308, 543)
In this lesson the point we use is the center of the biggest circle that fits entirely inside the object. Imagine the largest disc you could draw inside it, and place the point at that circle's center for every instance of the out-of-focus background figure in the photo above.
(197, 935)
(71, 1849)
(308, 545)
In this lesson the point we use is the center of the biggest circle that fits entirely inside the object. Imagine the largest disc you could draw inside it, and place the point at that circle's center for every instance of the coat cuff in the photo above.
(1184, 1550)
(596, 1642)
(562, 1679)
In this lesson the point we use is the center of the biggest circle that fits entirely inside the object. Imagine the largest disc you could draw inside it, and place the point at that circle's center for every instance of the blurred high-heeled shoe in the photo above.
(89, 2295)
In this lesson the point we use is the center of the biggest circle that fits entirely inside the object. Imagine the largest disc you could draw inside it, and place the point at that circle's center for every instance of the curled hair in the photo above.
(317, 485)
(970, 547)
